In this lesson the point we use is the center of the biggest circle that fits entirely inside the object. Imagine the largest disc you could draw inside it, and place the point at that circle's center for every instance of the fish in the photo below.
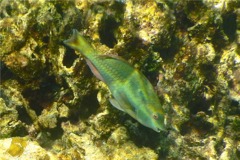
(131, 91)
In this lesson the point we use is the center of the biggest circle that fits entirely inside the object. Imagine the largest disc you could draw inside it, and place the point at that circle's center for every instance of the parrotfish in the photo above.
(130, 89)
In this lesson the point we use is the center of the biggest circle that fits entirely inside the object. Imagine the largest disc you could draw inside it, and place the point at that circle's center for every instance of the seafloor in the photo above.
(52, 107)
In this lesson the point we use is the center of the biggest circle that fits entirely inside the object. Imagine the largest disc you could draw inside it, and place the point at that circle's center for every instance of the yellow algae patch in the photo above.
(17, 146)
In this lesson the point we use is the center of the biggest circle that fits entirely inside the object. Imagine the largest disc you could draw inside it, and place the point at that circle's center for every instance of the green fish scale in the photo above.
(113, 71)
(137, 86)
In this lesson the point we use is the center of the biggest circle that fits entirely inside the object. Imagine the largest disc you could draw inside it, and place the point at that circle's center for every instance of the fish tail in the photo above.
(79, 43)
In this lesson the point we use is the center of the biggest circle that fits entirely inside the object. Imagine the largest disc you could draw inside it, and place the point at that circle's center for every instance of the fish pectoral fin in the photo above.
(94, 70)
(125, 108)
(116, 104)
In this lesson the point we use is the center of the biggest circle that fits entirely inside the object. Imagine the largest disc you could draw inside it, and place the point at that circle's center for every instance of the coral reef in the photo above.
(23, 148)
(52, 107)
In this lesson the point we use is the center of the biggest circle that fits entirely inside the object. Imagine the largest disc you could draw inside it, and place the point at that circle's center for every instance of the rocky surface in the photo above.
(51, 103)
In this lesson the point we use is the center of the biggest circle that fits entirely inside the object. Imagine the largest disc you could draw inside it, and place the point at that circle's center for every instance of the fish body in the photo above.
(131, 90)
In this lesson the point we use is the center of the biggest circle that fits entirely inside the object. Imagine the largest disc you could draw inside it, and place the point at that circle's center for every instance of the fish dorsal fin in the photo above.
(113, 56)
(94, 70)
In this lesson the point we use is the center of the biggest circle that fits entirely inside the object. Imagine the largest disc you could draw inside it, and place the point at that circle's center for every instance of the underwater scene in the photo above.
(119, 79)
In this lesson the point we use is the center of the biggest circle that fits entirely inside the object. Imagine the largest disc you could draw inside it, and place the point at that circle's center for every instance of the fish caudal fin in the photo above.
(78, 42)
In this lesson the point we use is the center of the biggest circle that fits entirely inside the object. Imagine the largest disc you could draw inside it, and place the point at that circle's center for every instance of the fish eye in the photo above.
(155, 116)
